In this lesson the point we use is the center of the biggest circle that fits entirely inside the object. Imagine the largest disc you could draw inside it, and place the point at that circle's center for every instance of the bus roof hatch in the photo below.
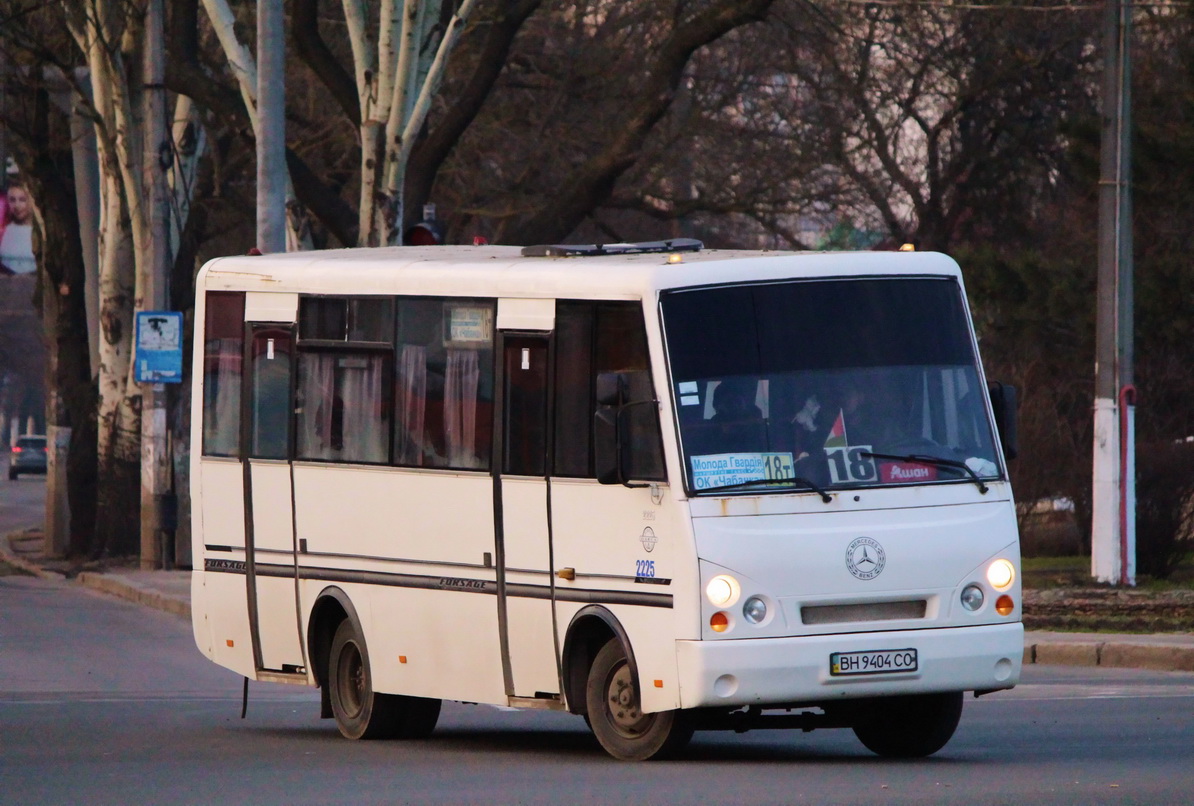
(593, 250)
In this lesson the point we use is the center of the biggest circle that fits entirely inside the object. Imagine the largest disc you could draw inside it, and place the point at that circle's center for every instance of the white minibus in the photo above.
(662, 487)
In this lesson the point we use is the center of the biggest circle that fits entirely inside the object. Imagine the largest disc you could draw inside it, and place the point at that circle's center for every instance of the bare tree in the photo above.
(108, 33)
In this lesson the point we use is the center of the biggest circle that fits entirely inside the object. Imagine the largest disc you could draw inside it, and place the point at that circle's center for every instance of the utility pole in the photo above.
(155, 457)
(271, 135)
(1113, 522)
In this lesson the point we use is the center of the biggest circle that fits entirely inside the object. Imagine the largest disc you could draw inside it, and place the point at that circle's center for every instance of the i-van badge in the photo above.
(648, 539)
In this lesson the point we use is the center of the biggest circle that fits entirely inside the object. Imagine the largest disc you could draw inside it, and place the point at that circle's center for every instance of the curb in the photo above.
(26, 566)
(127, 589)
(119, 587)
(1119, 654)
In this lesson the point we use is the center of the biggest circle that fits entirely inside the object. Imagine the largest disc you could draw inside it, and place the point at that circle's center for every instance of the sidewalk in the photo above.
(171, 591)
(162, 590)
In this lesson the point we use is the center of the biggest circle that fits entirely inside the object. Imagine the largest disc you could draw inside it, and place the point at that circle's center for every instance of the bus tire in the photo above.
(615, 715)
(910, 727)
(360, 712)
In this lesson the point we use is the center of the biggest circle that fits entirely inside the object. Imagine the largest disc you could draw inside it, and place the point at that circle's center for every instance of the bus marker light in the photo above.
(755, 610)
(719, 622)
(1001, 574)
(658, 684)
(972, 597)
(402, 659)
(229, 642)
(1004, 605)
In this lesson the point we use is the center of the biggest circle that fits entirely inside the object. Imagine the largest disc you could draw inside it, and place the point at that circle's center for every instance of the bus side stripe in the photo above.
(444, 583)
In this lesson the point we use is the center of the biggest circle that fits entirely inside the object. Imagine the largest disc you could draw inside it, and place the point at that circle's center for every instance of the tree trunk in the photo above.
(118, 517)
(71, 386)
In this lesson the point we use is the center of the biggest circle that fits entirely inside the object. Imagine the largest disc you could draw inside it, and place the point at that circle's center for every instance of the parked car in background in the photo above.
(28, 456)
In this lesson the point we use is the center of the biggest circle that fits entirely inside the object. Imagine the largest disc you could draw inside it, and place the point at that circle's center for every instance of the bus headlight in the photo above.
(1001, 574)
(722, 590)
(755, 610)
(972, 597)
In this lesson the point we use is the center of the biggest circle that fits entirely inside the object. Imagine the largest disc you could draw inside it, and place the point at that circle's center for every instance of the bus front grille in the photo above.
(868, 611)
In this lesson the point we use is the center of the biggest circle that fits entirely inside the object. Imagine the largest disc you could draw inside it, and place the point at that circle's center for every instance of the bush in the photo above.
(1164, 507)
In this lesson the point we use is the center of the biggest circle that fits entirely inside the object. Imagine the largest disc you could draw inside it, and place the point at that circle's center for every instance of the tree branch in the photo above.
(431, 152)
(332, 211)
(594, 180)
(314, 52)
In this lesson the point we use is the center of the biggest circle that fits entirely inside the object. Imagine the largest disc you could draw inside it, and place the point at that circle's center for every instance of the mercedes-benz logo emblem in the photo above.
(865, 558)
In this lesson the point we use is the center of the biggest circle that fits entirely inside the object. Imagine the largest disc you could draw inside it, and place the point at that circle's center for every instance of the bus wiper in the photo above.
(786, 480)
(937, 461)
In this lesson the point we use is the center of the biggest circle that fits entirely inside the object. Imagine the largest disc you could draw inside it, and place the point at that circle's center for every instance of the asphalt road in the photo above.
(102, 701)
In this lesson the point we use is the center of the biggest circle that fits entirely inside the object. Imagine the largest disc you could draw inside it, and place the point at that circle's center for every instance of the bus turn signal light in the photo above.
(1004, 605)
(719, 622)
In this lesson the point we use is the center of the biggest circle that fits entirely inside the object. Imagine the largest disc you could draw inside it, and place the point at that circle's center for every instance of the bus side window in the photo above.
(343, 405)
(573, 449)
(223, 355)
(270, 421)
(443, 384)
(592, 338)
(343, 413)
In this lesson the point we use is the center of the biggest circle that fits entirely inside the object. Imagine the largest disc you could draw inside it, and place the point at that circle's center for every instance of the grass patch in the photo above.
(1056, 572)
(1043, 573)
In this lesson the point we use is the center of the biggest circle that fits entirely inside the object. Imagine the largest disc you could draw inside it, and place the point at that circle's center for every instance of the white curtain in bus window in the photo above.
(410, 435)
(460, 408)
(342, 413)
(223, 354)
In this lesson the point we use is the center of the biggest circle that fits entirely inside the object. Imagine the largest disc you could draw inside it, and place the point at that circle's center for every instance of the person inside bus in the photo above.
(734, 402)
(858, 410)
(738, 419)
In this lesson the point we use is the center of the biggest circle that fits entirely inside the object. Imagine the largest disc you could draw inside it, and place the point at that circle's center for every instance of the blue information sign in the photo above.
(158, 355)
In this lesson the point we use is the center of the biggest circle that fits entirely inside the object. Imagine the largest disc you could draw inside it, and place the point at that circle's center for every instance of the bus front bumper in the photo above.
(797, 670)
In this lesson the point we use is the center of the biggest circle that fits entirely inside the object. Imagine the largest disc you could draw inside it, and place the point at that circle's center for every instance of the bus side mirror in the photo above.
(626, 438)
(608, 432)
(1005, 407)
(606, 461)
(611, 389)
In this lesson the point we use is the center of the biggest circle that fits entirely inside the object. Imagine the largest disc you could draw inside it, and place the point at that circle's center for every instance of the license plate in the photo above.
(874, 661)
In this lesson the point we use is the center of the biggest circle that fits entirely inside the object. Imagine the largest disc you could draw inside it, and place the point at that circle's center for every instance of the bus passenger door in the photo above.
(269, 514)
(524, 549)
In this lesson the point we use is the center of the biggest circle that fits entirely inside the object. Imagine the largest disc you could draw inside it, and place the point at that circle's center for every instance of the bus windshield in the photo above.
(827, 384)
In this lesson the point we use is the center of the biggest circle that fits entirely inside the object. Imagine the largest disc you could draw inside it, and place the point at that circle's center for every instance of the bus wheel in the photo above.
(910, 727)
(616, 717)
(361, 712)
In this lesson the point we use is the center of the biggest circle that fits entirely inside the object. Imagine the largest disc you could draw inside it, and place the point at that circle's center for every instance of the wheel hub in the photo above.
(353, 674)
(624, 708)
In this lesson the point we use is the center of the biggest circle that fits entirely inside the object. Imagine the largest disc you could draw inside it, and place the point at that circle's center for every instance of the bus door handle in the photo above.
(567, 573)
